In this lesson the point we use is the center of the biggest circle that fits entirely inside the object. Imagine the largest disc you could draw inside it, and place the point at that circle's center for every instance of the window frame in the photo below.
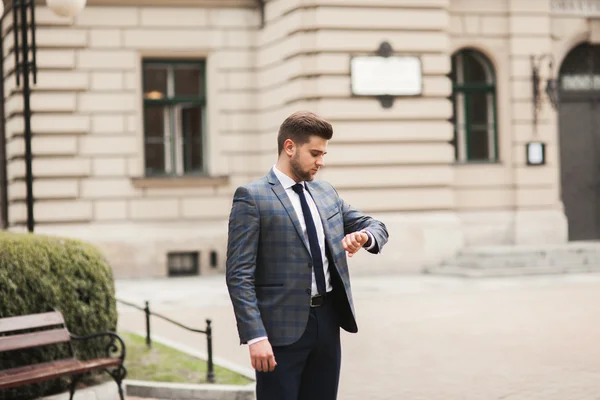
(462, 148)
(171, 103)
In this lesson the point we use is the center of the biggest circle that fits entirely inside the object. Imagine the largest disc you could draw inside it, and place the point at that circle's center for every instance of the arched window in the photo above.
(580, 71)
(474, 100)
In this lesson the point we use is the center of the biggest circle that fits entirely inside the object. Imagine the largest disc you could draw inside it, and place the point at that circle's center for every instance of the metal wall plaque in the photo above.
(585, 8)
(386, 76)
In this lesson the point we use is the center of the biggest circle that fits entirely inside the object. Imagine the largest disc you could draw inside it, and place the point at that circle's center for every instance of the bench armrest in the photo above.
(112, 349)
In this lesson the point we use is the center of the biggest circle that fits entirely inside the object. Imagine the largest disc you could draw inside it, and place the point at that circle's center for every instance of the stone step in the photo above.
(493, 261)
(451, 270)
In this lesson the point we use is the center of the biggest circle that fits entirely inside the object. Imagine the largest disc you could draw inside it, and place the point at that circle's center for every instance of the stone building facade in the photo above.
(147, 115)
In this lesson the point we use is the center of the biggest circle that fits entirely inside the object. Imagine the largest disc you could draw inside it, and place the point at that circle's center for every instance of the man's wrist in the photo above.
(256, 340)
(370, 241)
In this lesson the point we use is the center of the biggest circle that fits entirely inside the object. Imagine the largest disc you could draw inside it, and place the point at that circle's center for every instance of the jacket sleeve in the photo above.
(242, 247)
(355, 220)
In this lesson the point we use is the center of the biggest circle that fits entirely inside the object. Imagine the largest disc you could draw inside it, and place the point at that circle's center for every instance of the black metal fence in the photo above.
(210, 372)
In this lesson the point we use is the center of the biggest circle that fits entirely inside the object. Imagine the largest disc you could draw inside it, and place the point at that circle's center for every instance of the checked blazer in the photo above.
(269, 266)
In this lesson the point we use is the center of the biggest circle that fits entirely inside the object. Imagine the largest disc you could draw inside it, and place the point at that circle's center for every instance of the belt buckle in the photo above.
(317, 300)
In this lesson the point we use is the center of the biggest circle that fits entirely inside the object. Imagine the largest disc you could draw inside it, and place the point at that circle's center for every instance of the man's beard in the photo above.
(297, 168)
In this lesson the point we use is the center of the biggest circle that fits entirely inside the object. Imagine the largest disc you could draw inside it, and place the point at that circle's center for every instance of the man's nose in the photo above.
(321, 162)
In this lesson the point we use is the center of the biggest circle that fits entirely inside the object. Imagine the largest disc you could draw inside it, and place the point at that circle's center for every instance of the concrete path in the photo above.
(424, 337)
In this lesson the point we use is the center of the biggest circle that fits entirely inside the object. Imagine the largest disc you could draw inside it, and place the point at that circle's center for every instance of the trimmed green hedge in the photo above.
(38, 274)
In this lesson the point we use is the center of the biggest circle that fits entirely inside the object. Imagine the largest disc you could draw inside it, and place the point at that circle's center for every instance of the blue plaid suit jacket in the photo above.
(269, 264)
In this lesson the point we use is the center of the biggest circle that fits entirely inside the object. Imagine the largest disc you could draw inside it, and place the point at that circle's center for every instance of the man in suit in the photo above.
(287, 271)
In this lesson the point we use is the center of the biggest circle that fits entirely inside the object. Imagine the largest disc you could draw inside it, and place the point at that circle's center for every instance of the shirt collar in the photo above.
(285, 180)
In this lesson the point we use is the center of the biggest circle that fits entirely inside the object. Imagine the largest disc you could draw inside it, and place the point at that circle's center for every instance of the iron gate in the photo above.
(579, 136)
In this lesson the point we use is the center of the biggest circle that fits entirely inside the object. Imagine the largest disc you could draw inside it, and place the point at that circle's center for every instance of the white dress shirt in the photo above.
(287, 184)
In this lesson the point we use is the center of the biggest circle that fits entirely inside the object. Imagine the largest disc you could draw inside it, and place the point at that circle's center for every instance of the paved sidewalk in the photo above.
(424, 337)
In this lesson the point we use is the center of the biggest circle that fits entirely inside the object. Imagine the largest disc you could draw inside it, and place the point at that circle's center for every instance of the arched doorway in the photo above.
(579, 85)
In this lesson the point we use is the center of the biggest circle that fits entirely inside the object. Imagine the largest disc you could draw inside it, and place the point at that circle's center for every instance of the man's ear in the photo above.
(289, 147)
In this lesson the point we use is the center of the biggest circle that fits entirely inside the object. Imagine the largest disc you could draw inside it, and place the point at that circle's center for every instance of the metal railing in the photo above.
(210, 371)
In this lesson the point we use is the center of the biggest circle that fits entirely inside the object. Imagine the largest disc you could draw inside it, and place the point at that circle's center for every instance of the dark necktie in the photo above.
(313, 240)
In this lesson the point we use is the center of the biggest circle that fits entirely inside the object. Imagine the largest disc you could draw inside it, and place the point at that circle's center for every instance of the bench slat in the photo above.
(36, 339)
(43, 372)
(31, 367)
(12, 324)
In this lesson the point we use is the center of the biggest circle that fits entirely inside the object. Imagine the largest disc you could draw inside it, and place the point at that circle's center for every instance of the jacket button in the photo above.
(310, 265)
(308, 291)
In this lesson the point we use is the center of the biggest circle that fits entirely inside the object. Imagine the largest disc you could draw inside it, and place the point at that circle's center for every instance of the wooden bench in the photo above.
(51, 330)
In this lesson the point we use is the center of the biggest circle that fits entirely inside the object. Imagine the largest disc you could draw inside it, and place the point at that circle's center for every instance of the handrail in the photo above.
(210, 373)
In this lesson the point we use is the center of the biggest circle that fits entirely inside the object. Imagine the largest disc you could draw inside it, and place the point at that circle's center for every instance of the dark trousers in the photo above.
(310, 368)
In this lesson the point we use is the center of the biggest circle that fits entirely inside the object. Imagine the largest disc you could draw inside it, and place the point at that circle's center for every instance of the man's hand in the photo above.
(261, 354)
(354, 241)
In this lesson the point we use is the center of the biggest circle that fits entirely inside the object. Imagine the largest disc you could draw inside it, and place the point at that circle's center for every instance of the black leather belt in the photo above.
(319, 299)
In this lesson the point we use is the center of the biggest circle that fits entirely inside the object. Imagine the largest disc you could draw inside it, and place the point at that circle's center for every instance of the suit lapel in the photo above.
(287, 204)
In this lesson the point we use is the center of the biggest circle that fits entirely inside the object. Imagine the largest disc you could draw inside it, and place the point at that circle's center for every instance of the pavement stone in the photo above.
(423, 337)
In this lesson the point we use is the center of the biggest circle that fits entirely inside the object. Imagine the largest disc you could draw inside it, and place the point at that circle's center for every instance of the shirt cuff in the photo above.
(372, 245)
(258, 339)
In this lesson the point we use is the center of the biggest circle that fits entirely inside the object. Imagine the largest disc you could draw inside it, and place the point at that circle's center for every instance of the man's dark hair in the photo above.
(300, 126)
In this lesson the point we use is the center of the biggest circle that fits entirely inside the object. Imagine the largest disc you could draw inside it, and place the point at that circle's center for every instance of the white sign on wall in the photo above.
(381, 76)
(586, 8)
(536, 153)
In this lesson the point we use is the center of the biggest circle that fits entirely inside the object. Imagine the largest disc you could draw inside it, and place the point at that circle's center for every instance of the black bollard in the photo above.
(210, 373)
(147, 311)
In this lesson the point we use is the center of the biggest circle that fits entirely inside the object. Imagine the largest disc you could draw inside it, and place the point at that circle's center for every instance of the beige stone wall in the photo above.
(510, 202)
(88, 134)
(394, 163)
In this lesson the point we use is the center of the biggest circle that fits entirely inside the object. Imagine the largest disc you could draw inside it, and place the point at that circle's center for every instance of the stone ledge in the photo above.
(188, 391)
(176, 3)
(105, 391)
(160, 390)
(179, 182)
(174, 391)
(467, 272)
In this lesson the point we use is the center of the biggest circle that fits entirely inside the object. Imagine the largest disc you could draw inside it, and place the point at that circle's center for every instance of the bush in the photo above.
(39, 274)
